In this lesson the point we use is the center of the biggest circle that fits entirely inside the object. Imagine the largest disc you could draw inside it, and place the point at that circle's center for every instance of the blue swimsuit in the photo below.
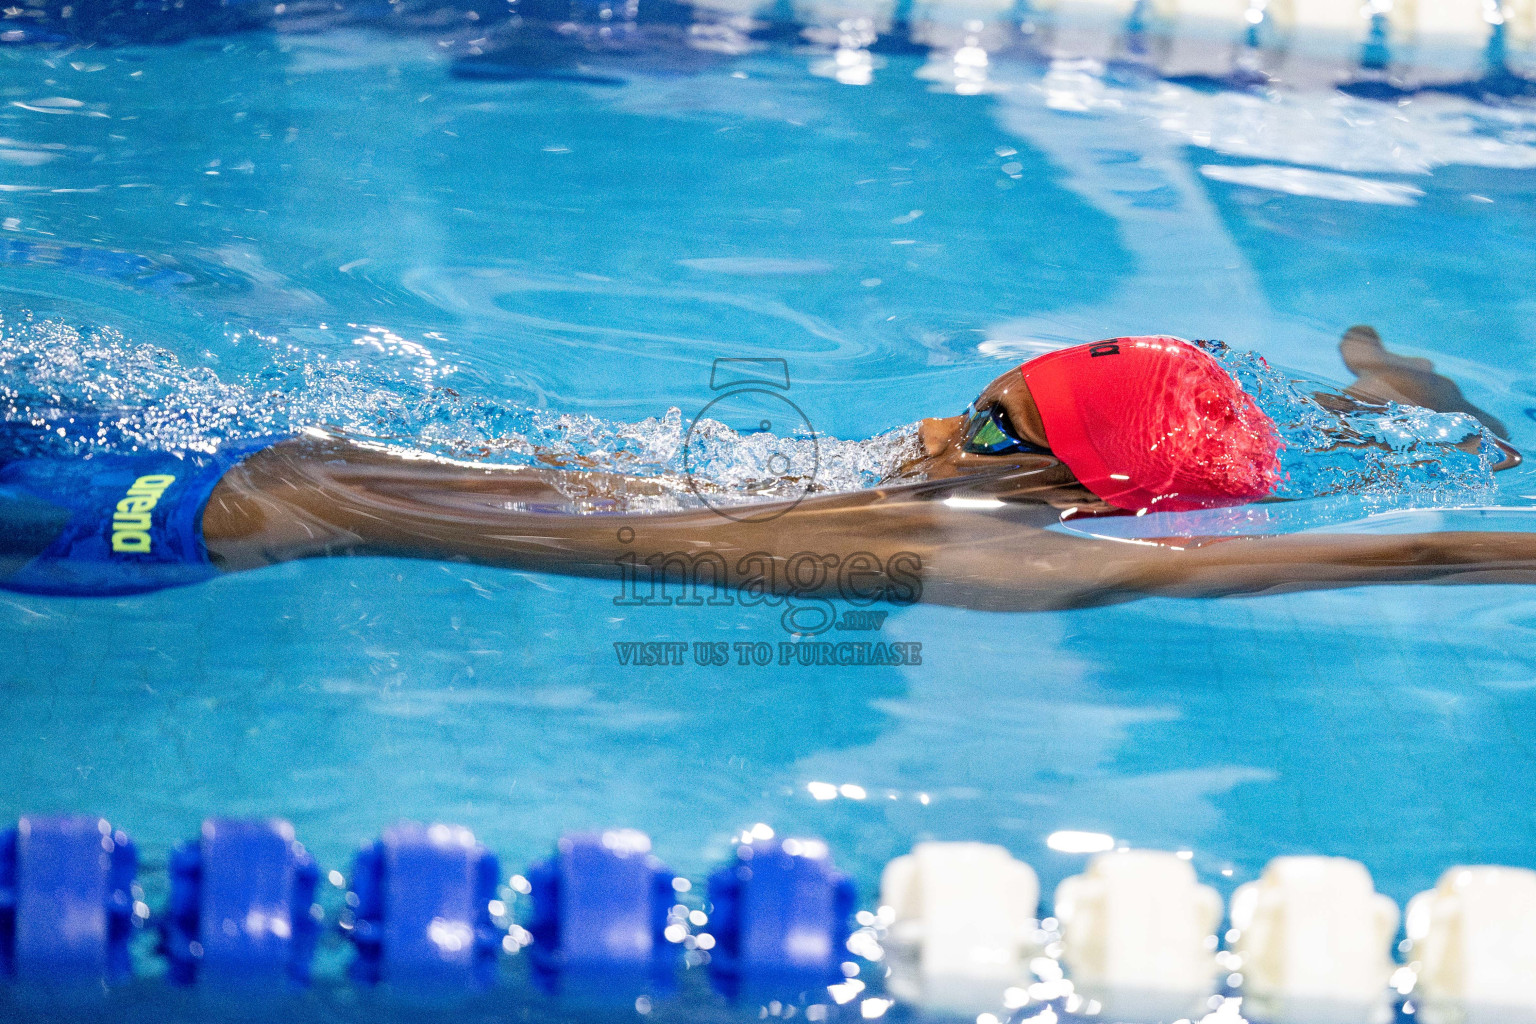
(132, 523)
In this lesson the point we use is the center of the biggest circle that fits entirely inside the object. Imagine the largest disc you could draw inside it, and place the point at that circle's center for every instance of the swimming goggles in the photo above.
(990, 432)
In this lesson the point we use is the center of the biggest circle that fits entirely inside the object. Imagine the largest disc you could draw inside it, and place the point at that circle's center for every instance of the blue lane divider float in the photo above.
(600, 913)
(422, 916)
(605, 919)
(66, 899)
(781, 915)
(242, 905)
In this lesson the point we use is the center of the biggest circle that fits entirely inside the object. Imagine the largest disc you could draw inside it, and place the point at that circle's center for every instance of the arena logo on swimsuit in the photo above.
(131, 522)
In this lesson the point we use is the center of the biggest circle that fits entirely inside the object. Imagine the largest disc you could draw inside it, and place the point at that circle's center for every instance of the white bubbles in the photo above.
(99, 390)
(1390, 454)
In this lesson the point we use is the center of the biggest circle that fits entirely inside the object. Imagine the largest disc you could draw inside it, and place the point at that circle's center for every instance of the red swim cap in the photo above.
(1154, 423)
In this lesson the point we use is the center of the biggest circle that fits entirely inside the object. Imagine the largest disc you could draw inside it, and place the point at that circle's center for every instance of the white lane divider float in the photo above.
(1472, 944)
(1313, 942)
(963, 925)
(1138, 934)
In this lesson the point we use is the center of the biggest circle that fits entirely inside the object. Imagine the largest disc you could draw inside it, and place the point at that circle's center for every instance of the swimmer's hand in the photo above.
(1385, 376)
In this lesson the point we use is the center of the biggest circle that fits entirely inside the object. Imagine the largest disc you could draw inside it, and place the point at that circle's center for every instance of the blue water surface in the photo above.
(209, 239)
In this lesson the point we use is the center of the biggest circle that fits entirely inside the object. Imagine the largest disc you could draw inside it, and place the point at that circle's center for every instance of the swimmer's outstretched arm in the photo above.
(306, 499)
(1242, 566)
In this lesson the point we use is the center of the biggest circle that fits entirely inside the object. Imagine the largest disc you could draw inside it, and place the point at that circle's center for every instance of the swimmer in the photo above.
(1116, 428)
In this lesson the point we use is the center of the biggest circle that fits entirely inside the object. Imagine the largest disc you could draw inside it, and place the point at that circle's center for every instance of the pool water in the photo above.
(240, 234)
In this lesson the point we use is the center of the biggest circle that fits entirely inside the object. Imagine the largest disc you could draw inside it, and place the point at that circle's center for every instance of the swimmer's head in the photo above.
(1153, 423)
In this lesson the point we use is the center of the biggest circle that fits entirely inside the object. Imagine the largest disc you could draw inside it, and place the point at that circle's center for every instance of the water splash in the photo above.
(65, 392)
(68, 392)
(1343, 465)
(1387, 455)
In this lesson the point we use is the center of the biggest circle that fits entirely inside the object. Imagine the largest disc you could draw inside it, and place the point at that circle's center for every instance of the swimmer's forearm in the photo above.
(1098, 573)
(1309, 561)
